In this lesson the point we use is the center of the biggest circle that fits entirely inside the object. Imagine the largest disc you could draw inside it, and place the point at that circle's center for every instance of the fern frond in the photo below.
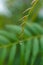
(24, 41)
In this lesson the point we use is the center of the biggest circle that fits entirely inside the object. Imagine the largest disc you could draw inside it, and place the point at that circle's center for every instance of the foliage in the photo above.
(22, 44)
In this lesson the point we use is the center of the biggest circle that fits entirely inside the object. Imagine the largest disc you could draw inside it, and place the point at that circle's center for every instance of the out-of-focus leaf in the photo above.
(22, 50)
(12, 55)
(35, 50)
(8, 35)
(28, 51)
(4, 40)
(3, 56)
(41, 45)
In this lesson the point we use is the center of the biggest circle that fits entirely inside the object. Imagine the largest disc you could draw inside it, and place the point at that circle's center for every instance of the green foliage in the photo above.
(30, 46)
(22, 44)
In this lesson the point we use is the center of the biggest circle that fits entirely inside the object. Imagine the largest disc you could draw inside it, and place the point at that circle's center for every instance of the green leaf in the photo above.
(14, 28)
(12, 55)
(22, 49)
(32, 29)
(27, 33)
(35, 50)
(41, 44)
(28, 51)
(9, 35)
(38, 28)
(3, 40)
(3, 56)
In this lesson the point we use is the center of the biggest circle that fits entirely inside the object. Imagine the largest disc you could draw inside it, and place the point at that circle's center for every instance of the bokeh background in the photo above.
(12, 10)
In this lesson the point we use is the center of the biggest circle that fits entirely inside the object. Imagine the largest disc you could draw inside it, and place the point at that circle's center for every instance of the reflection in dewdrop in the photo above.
(3, 8)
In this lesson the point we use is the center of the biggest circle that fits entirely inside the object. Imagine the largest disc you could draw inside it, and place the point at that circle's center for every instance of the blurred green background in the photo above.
(12, 10)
